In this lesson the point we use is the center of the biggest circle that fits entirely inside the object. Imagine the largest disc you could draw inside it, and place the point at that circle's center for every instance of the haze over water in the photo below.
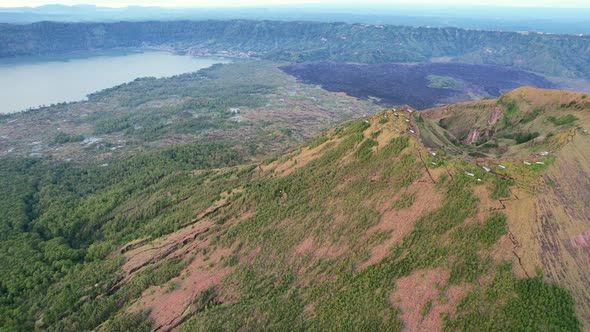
(34, 81)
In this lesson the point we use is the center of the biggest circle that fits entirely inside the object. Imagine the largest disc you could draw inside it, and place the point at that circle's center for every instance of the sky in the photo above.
(245, 3)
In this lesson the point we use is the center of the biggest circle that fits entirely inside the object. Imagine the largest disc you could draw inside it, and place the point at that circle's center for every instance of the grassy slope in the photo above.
(325, 237)
(548, 210)
(331, 236)
(556, 214)
(541, 119)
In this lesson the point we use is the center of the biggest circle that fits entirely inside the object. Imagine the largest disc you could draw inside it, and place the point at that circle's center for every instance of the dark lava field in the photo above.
(419, 85)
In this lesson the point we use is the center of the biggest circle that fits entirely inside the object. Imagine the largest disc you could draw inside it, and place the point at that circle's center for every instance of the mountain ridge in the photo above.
(375, 224)
(507, 200)
(309, 41)
(548, 20)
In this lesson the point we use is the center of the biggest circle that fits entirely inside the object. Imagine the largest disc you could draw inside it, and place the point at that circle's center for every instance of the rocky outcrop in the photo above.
(472, 137)
(475, 134)
(496, 115)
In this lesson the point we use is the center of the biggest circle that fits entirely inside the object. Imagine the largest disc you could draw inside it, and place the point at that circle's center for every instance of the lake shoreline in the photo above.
(28, 83)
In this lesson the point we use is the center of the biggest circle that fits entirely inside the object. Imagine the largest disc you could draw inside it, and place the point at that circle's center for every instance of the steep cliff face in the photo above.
(472, 137)
(520, 122)
(496, 116)
(475, 134)
(307, 41)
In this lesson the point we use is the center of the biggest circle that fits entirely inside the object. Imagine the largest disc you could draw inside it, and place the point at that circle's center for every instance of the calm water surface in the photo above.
(30, 82)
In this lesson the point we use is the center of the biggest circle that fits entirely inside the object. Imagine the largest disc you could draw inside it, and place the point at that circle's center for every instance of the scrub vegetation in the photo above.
(332, 225)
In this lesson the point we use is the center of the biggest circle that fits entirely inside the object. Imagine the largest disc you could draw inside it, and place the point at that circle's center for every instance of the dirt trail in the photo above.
(515, 246)
(426, 167)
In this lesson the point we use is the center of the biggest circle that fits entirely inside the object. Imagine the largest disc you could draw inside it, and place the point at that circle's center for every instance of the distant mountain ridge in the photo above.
(554, 55)
(548, 20)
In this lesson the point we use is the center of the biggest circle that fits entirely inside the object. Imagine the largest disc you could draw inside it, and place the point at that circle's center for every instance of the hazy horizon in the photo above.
(483, 15)
(275, 3)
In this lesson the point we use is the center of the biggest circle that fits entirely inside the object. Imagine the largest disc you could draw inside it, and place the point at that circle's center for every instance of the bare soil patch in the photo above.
(401, 223)
(414, 292)
(168, 306)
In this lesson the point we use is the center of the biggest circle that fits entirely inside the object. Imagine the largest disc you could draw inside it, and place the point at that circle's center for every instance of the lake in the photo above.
(30, 82)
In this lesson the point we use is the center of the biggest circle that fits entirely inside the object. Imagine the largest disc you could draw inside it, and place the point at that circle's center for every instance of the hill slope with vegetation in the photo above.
(309, 41)
(374, 224)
